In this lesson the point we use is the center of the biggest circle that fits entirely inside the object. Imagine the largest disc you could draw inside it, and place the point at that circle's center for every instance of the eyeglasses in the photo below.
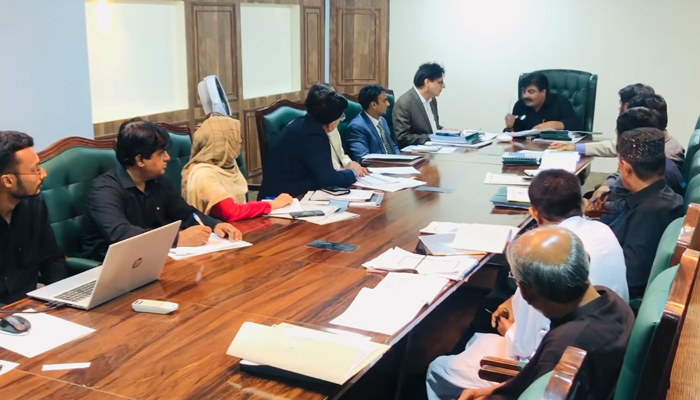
(36, 171)
(510, 275)
(342, 117)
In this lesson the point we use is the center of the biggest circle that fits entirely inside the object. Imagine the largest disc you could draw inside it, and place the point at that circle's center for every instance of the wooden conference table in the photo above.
(278, 279)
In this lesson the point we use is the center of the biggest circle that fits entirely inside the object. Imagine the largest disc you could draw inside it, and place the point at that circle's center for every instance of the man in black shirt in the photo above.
(550, 266)
(649, 208)
(28, 249)
(135, 197)
(540, 109)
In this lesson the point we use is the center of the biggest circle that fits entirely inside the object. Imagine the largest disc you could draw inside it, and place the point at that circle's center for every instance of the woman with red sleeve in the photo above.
(212, 181)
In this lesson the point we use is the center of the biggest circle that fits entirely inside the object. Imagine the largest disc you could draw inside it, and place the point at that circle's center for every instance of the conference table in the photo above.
(278, 279)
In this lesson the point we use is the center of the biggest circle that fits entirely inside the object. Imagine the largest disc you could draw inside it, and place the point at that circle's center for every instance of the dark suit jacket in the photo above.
(301, 161)
(411, 123)
(364, 138)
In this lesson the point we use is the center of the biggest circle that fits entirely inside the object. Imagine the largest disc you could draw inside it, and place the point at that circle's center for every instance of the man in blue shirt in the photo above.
(368, 132)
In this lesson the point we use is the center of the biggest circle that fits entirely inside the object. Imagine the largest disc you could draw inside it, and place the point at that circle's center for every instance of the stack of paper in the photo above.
(375, 200)
(294, 207)
(329, 214)
(397, 259)
(386, 184)
(394, 170)
(47, 333)
(321, 355)
(480, 237)
(526, 133)
(421, 148)
(506, 179)
(511, 197)
(566, 160)
(214, 244)
(447, 149)
(440, 227)
(354, 195)
(391, 305)
(399, 159)
(484, 139)
(441, 245)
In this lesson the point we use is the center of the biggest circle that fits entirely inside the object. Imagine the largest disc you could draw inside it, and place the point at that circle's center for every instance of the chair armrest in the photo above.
(496, 374)
(77, 265)
(500, 363)
(254, 187)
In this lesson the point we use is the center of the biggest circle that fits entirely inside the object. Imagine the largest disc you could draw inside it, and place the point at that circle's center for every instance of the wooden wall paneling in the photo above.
(109, 130)
(359, 44)
(312, 44)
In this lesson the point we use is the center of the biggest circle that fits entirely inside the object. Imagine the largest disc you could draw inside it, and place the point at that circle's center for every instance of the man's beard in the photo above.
(21, 192)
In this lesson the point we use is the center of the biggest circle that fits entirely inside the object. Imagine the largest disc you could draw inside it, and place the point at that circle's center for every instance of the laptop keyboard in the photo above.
(79, 293)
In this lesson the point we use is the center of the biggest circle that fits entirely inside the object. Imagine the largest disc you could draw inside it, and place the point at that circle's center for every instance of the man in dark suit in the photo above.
(301, 159)
(368, 132)
(416, 111)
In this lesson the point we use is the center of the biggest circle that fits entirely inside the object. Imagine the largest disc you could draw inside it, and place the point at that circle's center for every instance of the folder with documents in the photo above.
(391, 159)
(480, 237)
(566, 160)
(522, 157)
(454, 267)
(321, 355)
(387, 184)
(512, 197)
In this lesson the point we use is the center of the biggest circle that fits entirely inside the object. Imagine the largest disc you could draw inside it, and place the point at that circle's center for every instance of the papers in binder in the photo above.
(321, 355)
(506, 179)
(566, 160)
(394, 170)
(214, 244)
(397, 259)
(480, 237)
(387, 184)
(517, 194)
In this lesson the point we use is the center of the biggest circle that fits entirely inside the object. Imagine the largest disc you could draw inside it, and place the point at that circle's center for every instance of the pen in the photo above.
(510, 237)
(196, 218)
(488, 311)
(270, 198)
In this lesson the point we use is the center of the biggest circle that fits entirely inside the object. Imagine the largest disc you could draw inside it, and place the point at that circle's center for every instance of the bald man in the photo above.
(550, 267)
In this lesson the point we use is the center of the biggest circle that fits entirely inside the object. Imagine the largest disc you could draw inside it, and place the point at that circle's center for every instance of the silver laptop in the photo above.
(129, 264)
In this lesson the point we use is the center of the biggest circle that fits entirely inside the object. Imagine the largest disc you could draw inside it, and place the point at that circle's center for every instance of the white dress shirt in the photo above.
(607, 268)
(428, 110)
(375, 121)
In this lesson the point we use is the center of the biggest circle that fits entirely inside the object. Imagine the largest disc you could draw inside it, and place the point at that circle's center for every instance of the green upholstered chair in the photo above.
(578, 86)
(71, 165)
(694, 167)
(690, 152)
(562, 382)
(697, 124)
(271, 120)
(692, 192)
(179, 151)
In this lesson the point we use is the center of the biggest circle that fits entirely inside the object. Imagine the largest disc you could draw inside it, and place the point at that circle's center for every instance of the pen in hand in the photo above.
(196, 218)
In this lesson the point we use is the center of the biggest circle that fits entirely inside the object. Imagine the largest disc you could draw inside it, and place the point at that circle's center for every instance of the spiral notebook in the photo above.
(522, 157)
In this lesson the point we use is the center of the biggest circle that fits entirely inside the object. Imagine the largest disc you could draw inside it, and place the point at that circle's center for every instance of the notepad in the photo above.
(500, 199)
(506, 179)
(214, 244)
(517, 194)
(398, 259)
(481, 237)
(321, 355)
(566, 160)
(424, 287)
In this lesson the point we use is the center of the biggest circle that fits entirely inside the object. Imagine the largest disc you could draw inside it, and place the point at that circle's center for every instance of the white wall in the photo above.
(271, 64)
(485, 45)
(138, 58)
(44, 90)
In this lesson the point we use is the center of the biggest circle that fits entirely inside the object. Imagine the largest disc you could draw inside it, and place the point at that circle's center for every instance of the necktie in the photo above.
(385, 140)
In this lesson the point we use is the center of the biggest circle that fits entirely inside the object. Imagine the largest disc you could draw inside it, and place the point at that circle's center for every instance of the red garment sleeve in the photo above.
(229, 211)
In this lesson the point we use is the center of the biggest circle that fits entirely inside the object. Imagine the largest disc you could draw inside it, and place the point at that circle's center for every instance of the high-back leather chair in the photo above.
(562, 382)
(179, 151)
(690, 153)
(272, 119)
(578, 86)
(692, 192)
(389, 112)
(71, 165)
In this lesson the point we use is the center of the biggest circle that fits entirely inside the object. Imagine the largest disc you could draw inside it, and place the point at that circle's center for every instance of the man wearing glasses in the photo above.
(28, 248)
(300, 160)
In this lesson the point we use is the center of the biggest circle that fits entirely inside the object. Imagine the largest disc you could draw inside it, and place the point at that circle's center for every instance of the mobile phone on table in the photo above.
(336, 190)
(326, 245)
(302, 214)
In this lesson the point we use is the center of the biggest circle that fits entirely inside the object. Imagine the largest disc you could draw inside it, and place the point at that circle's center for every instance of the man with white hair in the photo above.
(555, 196)
(550, 267)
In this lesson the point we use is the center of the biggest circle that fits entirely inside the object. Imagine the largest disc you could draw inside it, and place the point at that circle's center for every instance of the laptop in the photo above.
(128, 265)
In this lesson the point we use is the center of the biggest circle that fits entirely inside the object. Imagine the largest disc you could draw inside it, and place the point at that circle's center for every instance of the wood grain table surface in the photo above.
(278, 279)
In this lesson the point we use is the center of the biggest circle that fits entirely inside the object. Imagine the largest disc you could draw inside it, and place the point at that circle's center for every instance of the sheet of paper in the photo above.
(7, 366)
(331, 218)
(214, 244)
(47, 333)
(566, 160)
(378, 182)
(480, 237)
(440, 245)
(436, 227)
(506, 179)
(450, 267)
(408, 285)
(394, 170)
(379, 311)
(396, 259)
(61, 367)
(517, 194)
(294, 207)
